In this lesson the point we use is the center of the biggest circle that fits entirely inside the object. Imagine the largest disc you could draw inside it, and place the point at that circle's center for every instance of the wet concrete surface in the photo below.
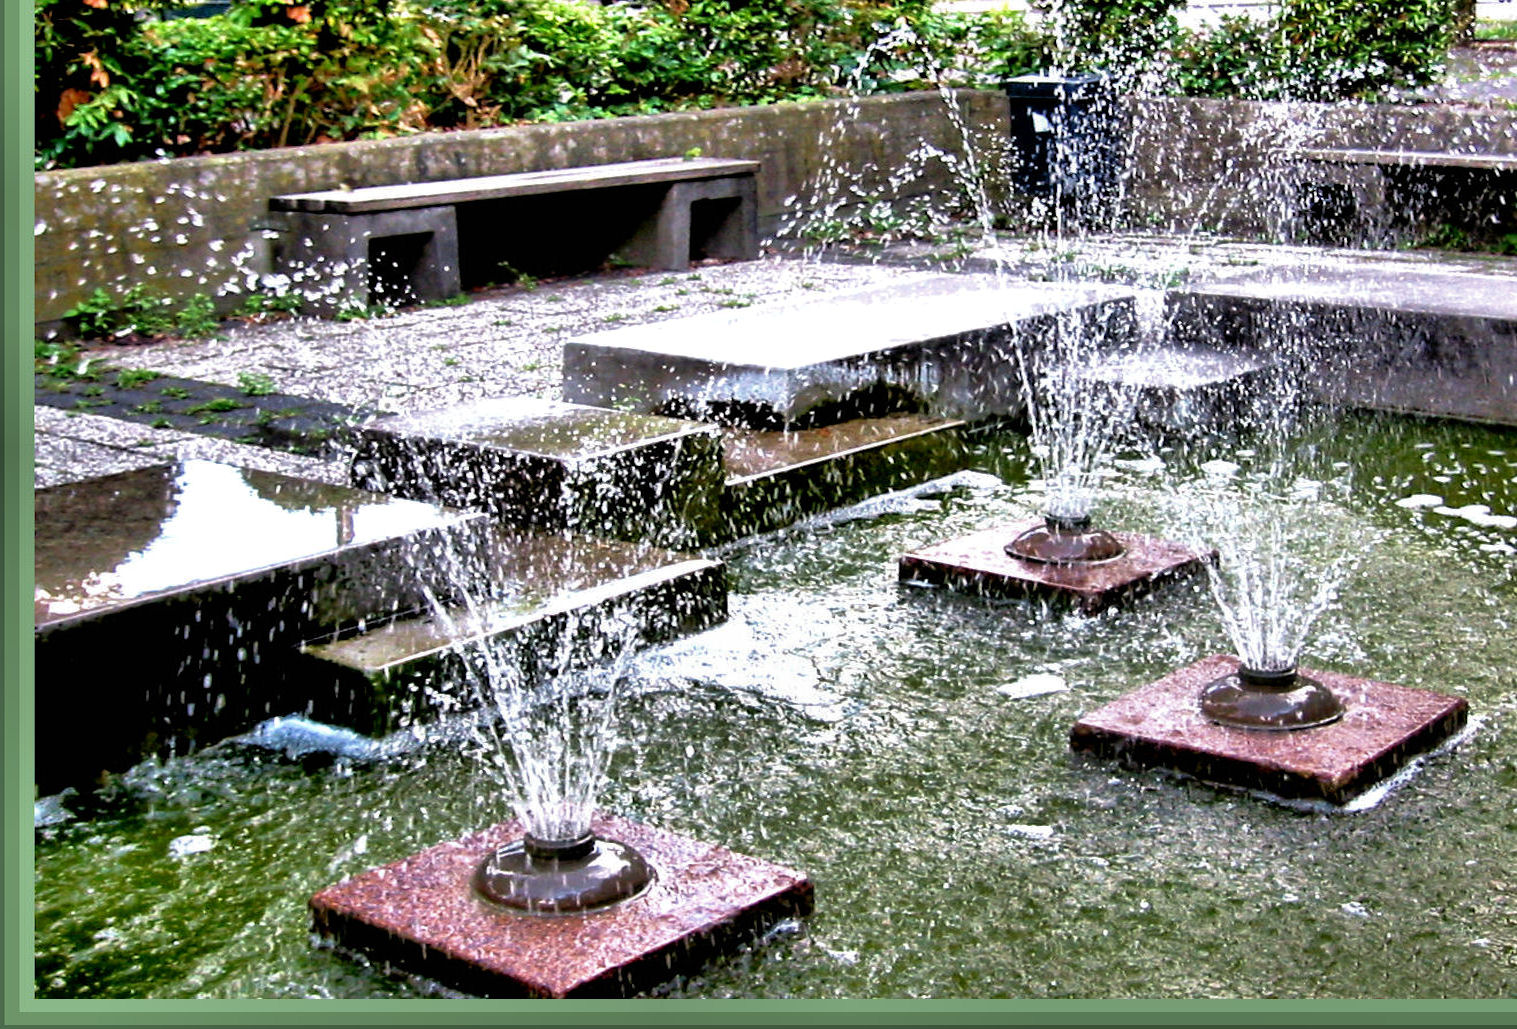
(509, 342)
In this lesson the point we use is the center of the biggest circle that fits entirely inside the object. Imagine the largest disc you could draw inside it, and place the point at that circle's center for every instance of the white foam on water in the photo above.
(1479, 514)
(193, 843)
(1035, 685)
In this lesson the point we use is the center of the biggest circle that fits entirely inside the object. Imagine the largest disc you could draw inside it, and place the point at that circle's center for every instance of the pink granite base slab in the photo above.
(1161, 725)
(979, 564)
(422, 915)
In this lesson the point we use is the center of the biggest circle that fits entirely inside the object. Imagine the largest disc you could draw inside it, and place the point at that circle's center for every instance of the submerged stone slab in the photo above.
(422, 915)
(777, 478)
(944, 344)
(167, 599)
(552, 465)
(1402, 338)
(554, 600)
(1183, 391)
(1161, 725)
(978, 564)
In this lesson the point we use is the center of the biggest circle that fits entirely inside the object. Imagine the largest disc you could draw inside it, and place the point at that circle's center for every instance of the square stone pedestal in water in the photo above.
(422, 915)
(1161, 725)
(979, 564)
(554, 466)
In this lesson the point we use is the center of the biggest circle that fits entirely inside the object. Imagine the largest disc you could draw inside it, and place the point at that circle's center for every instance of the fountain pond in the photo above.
(909, 748)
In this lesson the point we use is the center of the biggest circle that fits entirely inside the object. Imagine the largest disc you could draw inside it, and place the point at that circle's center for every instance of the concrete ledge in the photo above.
(779, 478)
(153, 642)
(944, 344)
(1404, 339)
(555, 600)
(552, 465)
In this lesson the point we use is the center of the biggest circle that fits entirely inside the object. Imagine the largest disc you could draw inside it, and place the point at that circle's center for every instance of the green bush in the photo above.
(1125, 37)
(84, 79)
(1320, 50)
(269, 73)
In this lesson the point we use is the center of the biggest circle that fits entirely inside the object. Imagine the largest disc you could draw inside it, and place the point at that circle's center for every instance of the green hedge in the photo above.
(113, 86)
(1319, 50)
(118, 80)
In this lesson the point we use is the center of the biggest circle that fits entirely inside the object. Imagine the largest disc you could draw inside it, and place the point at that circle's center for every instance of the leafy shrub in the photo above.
(1126, 37)
(269, 73)
(1239, 57)
(1319, 50)
(85, 105)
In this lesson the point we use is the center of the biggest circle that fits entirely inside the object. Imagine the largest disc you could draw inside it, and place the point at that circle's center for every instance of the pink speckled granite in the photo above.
(1161, 725)
(421, 914)
(979, 564)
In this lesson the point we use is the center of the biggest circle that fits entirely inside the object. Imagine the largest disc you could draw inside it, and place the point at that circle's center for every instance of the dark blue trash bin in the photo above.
(1066, 132)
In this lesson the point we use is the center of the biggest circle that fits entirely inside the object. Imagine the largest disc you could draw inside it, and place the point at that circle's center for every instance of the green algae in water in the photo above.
(853, 728)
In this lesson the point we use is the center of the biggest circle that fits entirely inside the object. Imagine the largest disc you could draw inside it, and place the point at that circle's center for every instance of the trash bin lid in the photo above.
(1052, 87)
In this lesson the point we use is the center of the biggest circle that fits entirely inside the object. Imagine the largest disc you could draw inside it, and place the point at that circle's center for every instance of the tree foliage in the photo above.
(271, 73)
(120, 80)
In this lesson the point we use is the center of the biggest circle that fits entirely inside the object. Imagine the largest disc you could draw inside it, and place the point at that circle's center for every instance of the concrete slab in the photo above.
(1161, 725)
(778, 478)
(1186, 391)
(978, 564)
(1403, 338)
(945, 344)
(422, 915)
(553, 598)
(552, 465)
(166, 598)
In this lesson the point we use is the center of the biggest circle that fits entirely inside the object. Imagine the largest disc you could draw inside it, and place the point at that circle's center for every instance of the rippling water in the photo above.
(908, 749)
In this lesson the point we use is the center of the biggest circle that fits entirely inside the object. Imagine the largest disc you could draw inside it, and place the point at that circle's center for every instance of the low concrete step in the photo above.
(1185, 391)
(551, 465)
(946, 344)
(777, 478)
(554, 600)
(1403, 337)
(167, 598)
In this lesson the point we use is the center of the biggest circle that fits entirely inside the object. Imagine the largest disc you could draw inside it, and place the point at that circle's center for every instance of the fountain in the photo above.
(560, 901)
(1062, 555)
(1257, 586)
(886, 728)
(1257, 719)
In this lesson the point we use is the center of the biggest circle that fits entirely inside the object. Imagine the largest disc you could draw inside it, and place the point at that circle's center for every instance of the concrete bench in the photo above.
(332, 239)
(1363, 174)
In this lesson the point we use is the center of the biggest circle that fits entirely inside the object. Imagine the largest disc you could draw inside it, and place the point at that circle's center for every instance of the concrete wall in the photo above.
(1219, 165)
(195, 225)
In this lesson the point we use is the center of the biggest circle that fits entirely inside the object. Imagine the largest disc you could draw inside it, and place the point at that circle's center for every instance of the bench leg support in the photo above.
(680, 228)
(327, 256)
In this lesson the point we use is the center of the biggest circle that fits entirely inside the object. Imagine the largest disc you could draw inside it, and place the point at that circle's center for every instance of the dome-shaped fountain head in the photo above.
(1274, 700)
(562, 877)
(1065, 541)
